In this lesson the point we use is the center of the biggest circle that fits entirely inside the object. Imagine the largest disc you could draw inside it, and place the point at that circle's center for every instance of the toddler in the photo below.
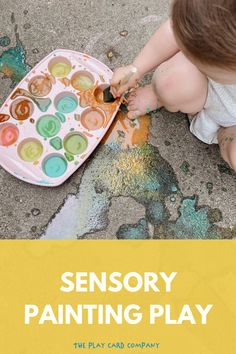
(194, 57)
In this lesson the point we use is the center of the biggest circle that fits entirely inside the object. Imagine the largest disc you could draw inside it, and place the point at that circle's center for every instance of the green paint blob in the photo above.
(61, 117)
(5, 41)
(75, 144)
(54, 166)
(192, 222)
(13, 63)
(30, 150)
(48, 126)
(69, 157)
(66, 104)
(56, 143)
(185, 167)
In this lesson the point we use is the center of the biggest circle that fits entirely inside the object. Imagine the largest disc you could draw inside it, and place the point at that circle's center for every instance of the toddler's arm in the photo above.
(159, 48)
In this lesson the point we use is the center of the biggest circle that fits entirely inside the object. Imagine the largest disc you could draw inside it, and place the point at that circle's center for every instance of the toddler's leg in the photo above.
(177, 85)
(227, 142)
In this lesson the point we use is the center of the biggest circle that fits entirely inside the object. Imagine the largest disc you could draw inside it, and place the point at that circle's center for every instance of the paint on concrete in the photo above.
(120, 168)
(13, 60)
(138, 231)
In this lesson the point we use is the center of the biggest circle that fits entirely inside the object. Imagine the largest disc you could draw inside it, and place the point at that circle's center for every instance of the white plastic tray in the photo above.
(67, 87)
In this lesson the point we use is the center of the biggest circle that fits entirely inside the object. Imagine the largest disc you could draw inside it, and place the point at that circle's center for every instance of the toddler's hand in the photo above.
(123, 79)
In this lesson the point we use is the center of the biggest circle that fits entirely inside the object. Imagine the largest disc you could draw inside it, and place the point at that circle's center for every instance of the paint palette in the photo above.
(55, 118)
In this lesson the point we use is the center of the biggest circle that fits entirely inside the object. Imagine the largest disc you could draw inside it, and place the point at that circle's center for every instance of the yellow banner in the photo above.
(63, 297)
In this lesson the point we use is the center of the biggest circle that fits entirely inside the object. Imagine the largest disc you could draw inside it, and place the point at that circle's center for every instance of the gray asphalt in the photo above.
(94, 27)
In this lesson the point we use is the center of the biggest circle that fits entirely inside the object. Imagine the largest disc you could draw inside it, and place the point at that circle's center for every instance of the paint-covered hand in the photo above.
(124, 78)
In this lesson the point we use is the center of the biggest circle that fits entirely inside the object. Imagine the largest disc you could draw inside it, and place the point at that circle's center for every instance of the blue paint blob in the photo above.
(193, 222)
(61, 116)
(138, 231)
(66, 104)
(174, 189)
(155, 212)
(54, 166)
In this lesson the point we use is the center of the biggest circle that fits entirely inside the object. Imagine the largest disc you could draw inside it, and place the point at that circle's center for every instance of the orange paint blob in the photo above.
(87, 98)
(92, 119)
(65, 81)
(4, 117)
(40, 86)
(126, 132)
(21, 109)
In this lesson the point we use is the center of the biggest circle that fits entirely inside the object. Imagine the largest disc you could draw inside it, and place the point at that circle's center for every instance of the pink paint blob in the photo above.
(9, 134)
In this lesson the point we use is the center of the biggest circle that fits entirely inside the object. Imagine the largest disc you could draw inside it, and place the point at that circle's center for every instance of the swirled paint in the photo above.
(59, 67)
(54, 166)
(66, 104)
(40, 86)
(82, 81)
(9, 134)
(93, 119)
(42, 103)
(48, 126)
(61, 116)
(4, 117)
(21, 109)
(30, 150)
(75, 143)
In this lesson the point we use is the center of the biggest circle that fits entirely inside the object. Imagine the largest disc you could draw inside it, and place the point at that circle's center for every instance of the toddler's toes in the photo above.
(132, 106)
(132, 95)
(134, 114)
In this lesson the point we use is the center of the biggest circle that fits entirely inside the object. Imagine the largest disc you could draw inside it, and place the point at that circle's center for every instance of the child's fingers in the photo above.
(133, 114)
(131, 107)
(122, 90)
(113, 91)
(117, 77)
(132, 95)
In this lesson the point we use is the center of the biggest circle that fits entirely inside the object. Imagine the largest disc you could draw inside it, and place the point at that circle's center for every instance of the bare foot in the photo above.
(142, 101)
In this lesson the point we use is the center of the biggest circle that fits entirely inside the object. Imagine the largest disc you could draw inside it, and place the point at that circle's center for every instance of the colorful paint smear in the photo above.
(127, 165)
(13, 60)
(42, 103)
